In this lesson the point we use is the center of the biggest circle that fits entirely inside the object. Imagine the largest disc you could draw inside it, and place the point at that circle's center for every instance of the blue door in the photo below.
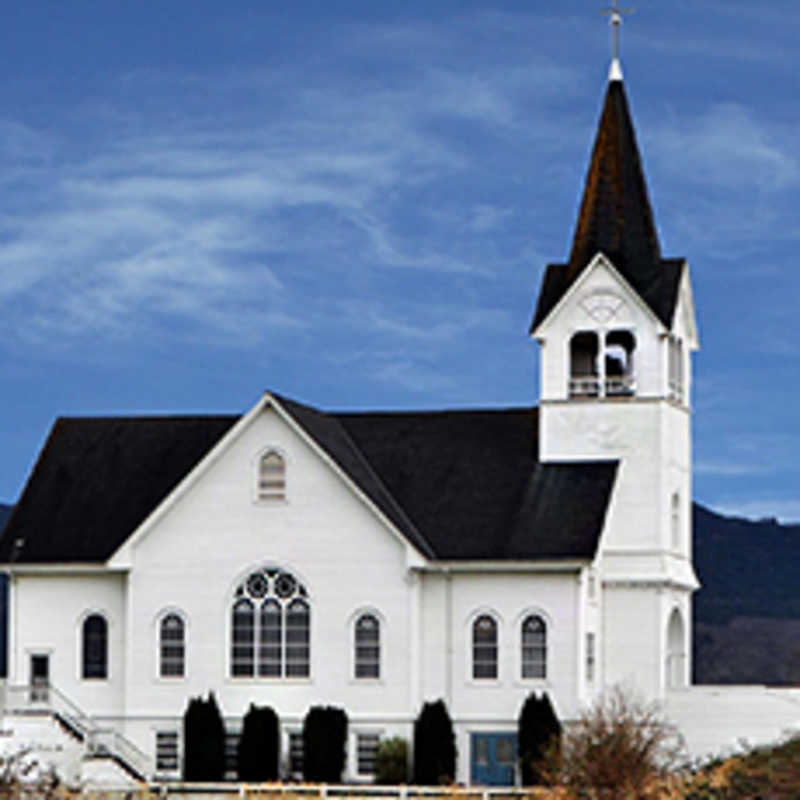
(493, 757)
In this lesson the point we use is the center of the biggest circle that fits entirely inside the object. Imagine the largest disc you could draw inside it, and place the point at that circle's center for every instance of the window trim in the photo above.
(232, 734)
(171, 611)
(352, 622)
(356, 772)
(531, 611)
(590, 658)
(675, 522)
(290, 732)
(598, 384)
(232, 600)
(468, 646)
(168, 730)
(264, 499)
(82, 620)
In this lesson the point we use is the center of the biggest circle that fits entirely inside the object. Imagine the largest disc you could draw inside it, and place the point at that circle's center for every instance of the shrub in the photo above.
(324, 743)
(772, 772)
(257, 753)
(23, 775)
(204, 741)
(391, 761)
(538, 732)
(434, 745)
(618, 748)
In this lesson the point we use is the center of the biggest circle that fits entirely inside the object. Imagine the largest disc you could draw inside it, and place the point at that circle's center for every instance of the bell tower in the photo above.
(616, 328)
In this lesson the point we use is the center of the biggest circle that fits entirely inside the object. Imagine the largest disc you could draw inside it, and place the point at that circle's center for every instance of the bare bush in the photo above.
(24, 777)
(619, 748)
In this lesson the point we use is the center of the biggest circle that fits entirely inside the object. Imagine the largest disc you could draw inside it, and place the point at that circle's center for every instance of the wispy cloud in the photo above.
(730, 469)
(727, 146)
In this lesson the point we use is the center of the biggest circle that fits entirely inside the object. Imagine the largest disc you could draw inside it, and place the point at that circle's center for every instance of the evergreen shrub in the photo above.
(391, 761)
(538, 733)
(434, 746)
(259, 745)
(324, 743)
(204, 741)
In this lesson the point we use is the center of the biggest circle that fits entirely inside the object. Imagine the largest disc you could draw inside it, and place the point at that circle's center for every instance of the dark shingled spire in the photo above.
(616, 218)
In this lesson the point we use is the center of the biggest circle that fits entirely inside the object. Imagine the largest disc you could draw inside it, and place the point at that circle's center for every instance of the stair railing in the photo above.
(42, 698)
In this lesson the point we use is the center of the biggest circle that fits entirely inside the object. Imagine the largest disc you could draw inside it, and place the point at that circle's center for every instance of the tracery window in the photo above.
(172, 646)
(484, 647)
(534, 647)
(271, 476)
(270, 627)
(368, 647)
(95, 647)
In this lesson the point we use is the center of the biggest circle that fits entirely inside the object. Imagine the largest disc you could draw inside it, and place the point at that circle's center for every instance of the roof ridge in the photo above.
(142, 417)
(397, 509)
(433, 412)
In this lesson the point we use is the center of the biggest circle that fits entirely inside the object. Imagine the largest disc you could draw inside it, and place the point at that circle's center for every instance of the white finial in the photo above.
(615, 18)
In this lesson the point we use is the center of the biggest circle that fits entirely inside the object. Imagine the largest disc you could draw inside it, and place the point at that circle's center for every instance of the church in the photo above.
(374, 561)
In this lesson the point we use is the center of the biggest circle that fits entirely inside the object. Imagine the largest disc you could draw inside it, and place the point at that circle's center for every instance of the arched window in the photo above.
(172, 647)
(619, 349)
(243, 649)
(271, 476)
(584, 376)
(484, 647)
(276, 641)
(368, 647)
(95, 647)
(602, 365)
(534, 647)
(298, 637)
(271, 647)
(676, 651)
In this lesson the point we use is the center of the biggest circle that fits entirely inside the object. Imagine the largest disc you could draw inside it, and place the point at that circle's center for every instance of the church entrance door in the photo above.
(493, 757)
(40, 677)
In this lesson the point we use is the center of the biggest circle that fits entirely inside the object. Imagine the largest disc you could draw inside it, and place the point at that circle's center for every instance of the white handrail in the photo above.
(47, 699)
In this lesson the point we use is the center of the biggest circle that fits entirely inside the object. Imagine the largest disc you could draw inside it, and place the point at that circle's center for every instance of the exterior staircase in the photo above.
(43, 720)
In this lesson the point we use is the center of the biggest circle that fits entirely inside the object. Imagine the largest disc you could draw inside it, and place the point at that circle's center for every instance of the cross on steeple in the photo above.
(615, 13)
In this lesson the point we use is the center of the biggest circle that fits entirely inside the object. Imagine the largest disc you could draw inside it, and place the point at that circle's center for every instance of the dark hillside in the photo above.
(747, 613)
(748, 569)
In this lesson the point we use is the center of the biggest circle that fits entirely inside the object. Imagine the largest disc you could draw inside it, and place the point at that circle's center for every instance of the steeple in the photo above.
(615, 215)
(616, 218)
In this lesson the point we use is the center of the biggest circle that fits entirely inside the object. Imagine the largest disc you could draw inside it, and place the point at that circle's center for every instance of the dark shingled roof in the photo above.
(97, 479)
(472, 483)
(616, 218)
(459, 485)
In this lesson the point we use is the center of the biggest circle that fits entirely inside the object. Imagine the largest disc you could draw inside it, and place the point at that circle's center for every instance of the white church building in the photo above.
(373, 561)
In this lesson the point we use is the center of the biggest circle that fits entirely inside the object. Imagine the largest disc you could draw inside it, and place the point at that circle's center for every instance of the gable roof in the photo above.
(616, 219)
(459, 485)
(472, 483)
(97, 478)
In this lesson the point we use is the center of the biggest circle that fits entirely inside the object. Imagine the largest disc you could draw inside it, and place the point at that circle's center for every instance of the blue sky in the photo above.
(352, 203)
